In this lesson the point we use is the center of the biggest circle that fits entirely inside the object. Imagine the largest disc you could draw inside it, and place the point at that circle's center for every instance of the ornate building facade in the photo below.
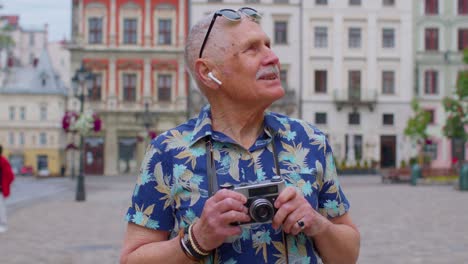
(135, 50)
(440, 36)
(358, 77)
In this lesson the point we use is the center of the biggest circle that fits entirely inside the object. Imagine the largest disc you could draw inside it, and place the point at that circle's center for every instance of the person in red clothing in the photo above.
(6, 178)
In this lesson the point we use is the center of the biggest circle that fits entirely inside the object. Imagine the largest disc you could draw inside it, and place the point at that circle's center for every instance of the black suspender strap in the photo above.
(210, 169)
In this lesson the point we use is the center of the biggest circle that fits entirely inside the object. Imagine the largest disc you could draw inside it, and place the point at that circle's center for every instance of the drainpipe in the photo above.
(187, 76)
(301, 58)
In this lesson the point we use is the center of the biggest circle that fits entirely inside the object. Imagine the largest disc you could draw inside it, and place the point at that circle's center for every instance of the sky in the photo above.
(36, 13)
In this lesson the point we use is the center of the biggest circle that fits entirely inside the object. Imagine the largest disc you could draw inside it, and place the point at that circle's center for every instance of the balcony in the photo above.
(355, 99)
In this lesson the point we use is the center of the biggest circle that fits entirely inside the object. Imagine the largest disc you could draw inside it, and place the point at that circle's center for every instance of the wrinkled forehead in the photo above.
(231, 33)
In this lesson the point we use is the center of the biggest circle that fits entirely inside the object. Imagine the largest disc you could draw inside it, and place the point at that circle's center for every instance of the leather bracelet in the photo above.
(186, 248)
(195, 243)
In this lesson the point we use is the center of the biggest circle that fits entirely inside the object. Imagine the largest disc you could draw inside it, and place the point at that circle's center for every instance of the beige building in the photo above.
(33, 101)
(135, 49)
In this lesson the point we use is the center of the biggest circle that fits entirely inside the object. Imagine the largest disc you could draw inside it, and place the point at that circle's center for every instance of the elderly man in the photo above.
(178, 215)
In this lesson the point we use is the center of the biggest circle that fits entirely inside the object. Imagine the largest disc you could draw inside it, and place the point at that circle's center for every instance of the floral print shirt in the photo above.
(172, 187)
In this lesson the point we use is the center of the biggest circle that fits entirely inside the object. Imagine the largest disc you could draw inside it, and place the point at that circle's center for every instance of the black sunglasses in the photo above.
(231, 15)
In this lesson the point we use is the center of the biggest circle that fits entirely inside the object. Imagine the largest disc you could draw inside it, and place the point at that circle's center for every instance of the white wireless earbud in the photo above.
(212, 77)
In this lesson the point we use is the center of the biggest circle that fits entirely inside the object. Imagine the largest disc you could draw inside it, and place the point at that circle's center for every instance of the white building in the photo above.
(358, 77)
(281, 22)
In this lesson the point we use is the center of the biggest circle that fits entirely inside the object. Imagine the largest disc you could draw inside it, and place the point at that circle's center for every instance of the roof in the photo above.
(40, 79)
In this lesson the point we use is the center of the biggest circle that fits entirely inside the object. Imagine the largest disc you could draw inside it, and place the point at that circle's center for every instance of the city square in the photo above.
(399, 223)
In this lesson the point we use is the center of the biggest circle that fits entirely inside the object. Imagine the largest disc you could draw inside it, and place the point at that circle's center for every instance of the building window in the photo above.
(431, 86)
(21, 138)
(130, 31)
(95, 93)
(431, 150)
(387, 119)
(354, 85)
(164, 87)
(12, 112)
(252, 1)
(431, 114)
(43, 113)
(95, 30)
(321, 37)
(388, 38)
(463, 7)
(281, 32)
(388, 82)
(321, 118)
(354, 38)
(284, 78)
(321, 2)
(354, 2)
(11, 138)
(354, 119)
(462, 38)
(42, 162)
(358, 147)
(431, 36)
(388, 2)
(129, 87)
(431, 7)
(23, 113)
(43, 138)
(165, 31)
(281, 1)
(321, 81)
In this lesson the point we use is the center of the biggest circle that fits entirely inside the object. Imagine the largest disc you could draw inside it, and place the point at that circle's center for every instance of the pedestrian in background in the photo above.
(6, 178)
(176, 216)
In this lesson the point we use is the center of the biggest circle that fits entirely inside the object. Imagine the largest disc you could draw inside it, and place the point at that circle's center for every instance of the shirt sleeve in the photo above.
(332, 200)
(152, 205)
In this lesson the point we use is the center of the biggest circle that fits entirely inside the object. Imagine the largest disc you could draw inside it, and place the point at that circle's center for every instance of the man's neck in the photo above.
(243, 126)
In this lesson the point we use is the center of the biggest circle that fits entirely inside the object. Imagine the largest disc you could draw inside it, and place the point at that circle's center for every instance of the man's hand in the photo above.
(293, 208)
(220, 210)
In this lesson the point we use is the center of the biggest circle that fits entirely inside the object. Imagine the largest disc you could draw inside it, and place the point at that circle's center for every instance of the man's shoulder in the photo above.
(294, 124)
(181, 130)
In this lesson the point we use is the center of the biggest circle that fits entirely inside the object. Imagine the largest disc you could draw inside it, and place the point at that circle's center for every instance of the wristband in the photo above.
(195, 244)
(185, 247)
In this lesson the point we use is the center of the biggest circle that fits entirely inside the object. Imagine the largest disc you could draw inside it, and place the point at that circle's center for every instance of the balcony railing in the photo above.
(355, 98)
(286, 105)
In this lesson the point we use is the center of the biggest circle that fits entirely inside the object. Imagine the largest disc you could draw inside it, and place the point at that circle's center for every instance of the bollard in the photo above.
(463, 180)
(415, 174)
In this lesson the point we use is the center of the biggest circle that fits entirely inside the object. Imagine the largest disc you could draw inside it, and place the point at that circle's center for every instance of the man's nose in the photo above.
(270, 57)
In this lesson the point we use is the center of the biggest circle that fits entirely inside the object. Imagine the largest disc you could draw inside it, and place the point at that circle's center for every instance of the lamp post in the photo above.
(82, 81)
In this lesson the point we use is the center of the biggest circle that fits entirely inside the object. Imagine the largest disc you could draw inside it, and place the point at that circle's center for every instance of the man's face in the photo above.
(251, 69)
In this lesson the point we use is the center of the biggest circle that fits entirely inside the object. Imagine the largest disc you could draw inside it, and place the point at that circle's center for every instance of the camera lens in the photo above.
(261, 210)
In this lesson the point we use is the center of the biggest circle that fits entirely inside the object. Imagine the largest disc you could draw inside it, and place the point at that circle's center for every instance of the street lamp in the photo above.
(82, 80)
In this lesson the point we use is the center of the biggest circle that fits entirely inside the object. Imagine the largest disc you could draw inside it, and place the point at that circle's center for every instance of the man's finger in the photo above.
(224, 193)
(287, 194)
(229, 204)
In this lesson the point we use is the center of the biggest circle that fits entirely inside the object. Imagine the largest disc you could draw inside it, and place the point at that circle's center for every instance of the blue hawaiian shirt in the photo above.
(173, 187)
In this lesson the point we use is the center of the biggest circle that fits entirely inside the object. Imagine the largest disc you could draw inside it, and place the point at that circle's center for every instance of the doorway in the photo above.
(387, 151)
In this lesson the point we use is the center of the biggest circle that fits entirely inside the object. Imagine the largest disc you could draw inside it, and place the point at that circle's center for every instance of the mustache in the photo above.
(267, 70)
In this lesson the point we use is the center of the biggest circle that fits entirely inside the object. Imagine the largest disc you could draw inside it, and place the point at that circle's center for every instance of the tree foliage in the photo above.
(416, 127)
(456, 107)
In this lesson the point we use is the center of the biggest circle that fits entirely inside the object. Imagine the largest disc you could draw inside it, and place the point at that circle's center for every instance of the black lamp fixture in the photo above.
(82, 83)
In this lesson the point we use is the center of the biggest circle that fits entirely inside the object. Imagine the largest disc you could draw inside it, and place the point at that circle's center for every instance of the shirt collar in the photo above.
(203, 126)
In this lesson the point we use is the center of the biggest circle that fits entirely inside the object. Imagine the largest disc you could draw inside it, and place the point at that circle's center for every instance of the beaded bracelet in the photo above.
(195, 243)
(186, 248)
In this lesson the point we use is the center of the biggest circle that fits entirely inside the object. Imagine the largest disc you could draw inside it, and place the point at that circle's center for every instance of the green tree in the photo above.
(456, 107)
(416, 127)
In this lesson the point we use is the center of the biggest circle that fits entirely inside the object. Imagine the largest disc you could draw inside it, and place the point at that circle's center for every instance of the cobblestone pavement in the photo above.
(398, 223)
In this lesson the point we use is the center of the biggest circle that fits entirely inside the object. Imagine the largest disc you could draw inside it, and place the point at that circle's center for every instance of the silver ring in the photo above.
(301, 224)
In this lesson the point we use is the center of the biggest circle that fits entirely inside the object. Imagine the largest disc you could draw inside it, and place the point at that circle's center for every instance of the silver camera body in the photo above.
(261, 198)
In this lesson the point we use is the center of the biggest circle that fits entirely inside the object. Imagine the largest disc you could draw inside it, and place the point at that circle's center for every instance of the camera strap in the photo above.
(211, 170)
(213, 178)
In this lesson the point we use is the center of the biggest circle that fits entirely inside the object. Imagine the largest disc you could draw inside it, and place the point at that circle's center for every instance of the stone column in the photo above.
(147, 80)
(147, 22)
(80, 23)
(113, 30)
(112, 95)
(111, 151)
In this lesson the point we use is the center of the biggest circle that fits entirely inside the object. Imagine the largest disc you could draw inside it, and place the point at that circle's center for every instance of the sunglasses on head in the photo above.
(231, 15)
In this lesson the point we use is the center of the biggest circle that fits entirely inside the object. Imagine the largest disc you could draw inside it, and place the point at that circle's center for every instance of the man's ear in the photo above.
(202, 72)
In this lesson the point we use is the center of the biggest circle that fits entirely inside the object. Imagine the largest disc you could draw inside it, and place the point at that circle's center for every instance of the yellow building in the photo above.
(32, 104)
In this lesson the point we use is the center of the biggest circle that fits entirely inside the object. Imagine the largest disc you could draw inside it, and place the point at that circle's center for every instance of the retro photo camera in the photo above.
(260, 199)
